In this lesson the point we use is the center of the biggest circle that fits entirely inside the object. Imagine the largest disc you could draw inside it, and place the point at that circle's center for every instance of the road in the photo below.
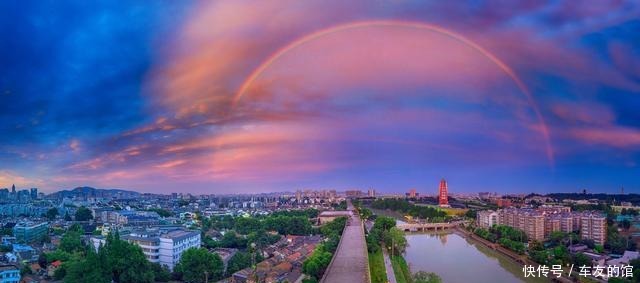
(350, 262)
(391, 276)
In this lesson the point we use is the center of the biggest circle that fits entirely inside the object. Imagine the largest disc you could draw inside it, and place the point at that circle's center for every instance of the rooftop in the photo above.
(8, 267)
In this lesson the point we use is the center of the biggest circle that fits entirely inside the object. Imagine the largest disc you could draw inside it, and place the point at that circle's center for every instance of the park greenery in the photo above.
(430, 214)
(508, 237)
(384, 232)
(377, 267)
(401, 269)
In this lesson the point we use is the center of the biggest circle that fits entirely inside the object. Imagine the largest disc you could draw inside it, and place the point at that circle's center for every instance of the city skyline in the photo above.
(223, 97)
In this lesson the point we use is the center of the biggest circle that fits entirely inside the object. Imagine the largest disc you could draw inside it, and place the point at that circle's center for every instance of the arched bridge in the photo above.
(421, 227)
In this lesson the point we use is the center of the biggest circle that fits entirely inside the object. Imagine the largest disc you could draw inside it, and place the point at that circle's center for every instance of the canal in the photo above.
(456, 259)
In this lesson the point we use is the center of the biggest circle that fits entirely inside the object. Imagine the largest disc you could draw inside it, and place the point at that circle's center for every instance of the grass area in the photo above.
(401, 269)
(377, 268)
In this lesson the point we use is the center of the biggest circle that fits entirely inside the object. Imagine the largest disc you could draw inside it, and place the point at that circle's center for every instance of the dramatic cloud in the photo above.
(146, 95)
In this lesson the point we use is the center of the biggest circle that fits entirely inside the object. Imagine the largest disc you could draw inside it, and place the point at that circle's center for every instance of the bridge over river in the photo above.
(422, 227)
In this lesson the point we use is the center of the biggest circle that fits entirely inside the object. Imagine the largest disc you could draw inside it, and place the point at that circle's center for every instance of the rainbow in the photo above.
(406, 24)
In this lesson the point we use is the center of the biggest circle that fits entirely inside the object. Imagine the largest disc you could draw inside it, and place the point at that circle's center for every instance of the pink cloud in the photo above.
(583, 113)
(615, 136)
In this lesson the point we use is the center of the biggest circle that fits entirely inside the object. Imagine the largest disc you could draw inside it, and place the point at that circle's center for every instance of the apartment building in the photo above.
(486, 218)
(163, 246)
(552, 223)
(528, 220)
(174, 243)
(539, 223)
(534, 225)
(594, 227)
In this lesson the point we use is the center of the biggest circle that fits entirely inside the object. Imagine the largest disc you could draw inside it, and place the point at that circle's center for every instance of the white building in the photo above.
(487, 218)
(163, 247)
(174, 243)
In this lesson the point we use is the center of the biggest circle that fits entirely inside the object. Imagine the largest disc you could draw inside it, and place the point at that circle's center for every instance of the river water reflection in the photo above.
(459, 260)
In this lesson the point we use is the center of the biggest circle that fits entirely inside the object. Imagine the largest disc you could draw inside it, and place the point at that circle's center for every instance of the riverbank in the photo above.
(522, 260)
(401, 269)
(377, 268)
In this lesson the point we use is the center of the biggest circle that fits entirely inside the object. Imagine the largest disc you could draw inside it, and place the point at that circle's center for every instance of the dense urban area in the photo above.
(99, 235)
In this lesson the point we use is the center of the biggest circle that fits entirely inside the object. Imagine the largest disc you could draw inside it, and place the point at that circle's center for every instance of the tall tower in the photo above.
(442, 193)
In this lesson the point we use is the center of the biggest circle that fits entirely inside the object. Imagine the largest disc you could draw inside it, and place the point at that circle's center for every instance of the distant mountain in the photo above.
(89, 192)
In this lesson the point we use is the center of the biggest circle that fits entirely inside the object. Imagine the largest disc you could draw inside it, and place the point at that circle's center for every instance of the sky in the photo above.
(215, 97)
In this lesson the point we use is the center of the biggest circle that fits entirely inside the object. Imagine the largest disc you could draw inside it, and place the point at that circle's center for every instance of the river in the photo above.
(457, 260)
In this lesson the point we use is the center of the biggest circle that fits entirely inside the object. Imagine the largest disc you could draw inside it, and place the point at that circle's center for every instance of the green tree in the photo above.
(199, 265)
(88, 269)
(317, 263)
(126, 262)
(395, 241)
(471, 213)
(238, 262)
(83, 214)
(581, 259)
(57, 255)
(365, 213)
(557, 237)
(25, 270)
(67, 217)
(160, 272)
(52, 213)
(384, 223)
(426, 277)
(71, 242)
(244, 225)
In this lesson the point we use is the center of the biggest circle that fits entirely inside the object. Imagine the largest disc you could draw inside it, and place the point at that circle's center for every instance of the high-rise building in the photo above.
(412, 194)
(443, 198)
(371, 193)
(594, 226)
(34, 193)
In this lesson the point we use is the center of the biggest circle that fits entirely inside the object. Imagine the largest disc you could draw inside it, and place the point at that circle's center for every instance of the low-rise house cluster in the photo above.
(284, 263)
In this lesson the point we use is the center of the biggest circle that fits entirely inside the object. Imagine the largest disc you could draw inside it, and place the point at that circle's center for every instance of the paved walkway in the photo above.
(391, 276)
(350, 262)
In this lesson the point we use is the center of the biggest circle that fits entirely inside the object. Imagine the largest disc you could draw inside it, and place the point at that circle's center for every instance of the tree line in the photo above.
(424, 212)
